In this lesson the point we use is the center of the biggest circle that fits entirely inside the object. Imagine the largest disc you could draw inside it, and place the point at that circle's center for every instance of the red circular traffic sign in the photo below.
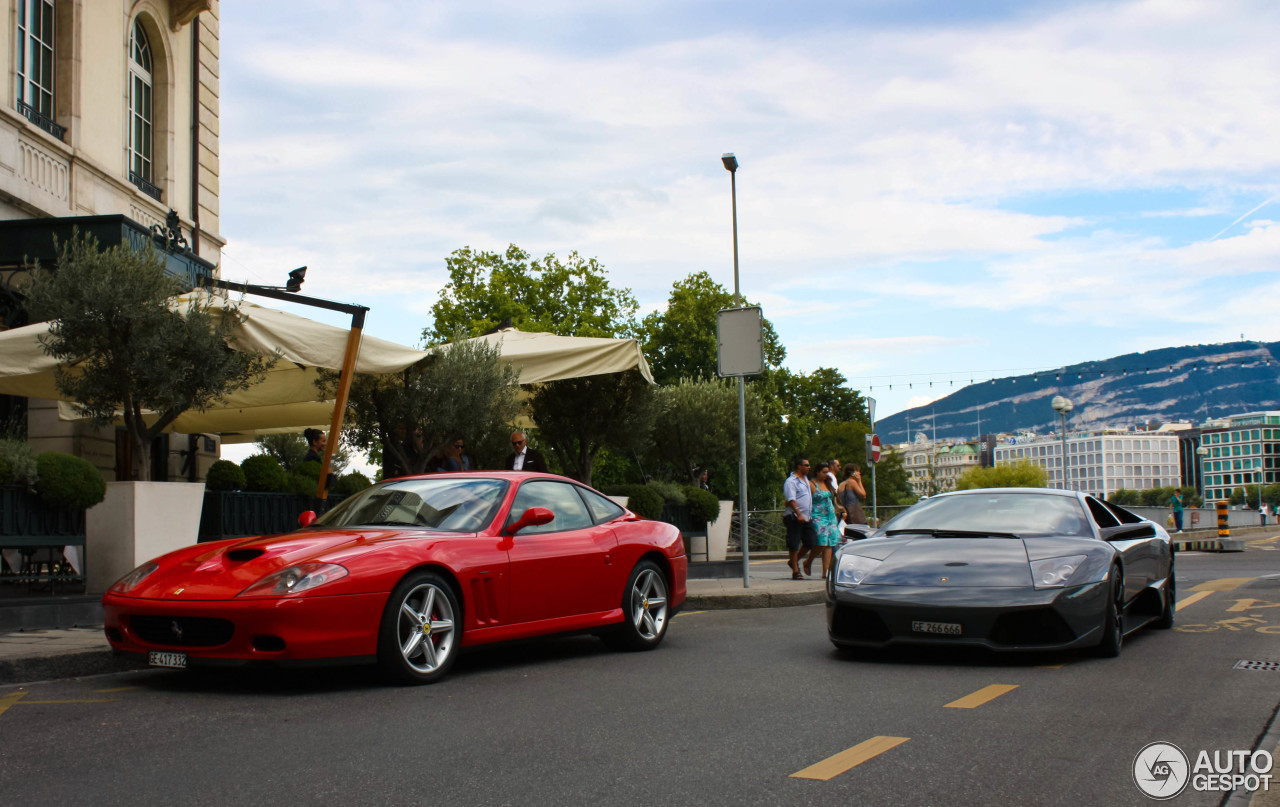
(875, 448)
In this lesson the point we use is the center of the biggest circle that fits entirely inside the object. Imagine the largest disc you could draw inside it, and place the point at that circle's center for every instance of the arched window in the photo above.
(141, 106)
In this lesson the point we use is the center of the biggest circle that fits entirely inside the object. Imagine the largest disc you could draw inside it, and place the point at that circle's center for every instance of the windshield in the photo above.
(448, 503)
(1021, 514)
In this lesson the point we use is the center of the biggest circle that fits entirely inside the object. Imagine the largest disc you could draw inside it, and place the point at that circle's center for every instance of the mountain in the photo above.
(1192, 383)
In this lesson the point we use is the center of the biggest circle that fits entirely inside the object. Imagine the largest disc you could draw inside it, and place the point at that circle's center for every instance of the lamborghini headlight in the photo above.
(853, 569)
(1055, 572)
(295, 579)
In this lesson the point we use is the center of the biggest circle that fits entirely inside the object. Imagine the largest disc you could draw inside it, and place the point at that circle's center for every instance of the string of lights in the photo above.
(929, 380)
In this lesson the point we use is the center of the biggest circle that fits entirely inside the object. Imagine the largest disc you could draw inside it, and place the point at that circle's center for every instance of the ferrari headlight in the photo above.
(1055, 572)
(133, 578)
(853, 569)
(303, 577)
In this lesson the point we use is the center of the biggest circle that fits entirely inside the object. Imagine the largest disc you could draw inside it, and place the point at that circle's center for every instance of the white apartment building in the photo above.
(1102, 462)
(1241, 451)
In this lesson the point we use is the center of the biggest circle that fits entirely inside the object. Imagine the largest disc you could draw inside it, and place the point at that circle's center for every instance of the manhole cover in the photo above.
(1268, 666)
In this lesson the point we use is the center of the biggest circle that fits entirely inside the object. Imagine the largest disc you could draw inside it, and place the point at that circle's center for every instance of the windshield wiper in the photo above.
(953, 533)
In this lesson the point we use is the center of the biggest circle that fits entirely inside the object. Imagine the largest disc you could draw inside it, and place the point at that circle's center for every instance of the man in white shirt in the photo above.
(524, 458)
(797, 516)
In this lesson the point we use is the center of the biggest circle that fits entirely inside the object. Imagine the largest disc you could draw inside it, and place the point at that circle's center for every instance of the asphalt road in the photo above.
(728, 711)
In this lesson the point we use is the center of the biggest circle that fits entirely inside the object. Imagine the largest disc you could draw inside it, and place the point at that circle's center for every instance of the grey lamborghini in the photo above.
(1009, 569)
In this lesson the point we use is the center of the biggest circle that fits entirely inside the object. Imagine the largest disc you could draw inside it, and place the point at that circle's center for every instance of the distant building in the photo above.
(933, 467)
(1241, 450)
(1100, 462)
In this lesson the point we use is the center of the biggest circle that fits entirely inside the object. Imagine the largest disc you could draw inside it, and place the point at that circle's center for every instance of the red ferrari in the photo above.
(405, 574)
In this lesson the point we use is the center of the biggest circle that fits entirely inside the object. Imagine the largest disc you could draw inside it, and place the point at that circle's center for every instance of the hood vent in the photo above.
(241, 555)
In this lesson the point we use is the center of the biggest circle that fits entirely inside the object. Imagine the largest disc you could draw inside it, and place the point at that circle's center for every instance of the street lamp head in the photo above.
(296, 278)
(730, 162)
(1061, 404)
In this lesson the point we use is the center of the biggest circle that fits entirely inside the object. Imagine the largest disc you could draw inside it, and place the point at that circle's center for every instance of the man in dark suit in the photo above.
(524, 458)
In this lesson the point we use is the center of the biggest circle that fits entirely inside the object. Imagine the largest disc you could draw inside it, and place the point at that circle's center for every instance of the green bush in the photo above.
(263, 474)
(353, 482)
(310, 469)
(6, 473)
(224, 475)
(670, 492)
(68, 482)
(703, 504)
(301, 483)
(642, 500)
(21, 462)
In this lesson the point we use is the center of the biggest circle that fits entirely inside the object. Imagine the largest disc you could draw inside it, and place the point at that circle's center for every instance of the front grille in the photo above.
(182, 631)
(1039, 626)
(858, 624)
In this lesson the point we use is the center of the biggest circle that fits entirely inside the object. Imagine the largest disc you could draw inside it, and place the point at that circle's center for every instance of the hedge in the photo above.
(68, 482)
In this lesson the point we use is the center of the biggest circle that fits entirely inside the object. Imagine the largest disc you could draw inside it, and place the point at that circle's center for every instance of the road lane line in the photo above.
(1192, 600)
(982, 696)
(104, 700)
(126, 689)
(833, 766)
(9, 700)
(1051, 666)
(1224, 584)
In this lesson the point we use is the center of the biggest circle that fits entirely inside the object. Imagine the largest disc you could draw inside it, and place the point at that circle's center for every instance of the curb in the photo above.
(762, 599)
(62, 665)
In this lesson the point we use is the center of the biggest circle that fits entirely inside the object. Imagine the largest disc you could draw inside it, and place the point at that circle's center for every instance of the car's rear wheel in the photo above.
(1165, 620)
(421, 630)
(1113, 620)
(645, 610)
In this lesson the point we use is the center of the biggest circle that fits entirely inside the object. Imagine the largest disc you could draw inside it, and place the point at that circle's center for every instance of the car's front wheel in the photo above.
(1165, 620)
(645, 610)
(1113, 619)
(421, 630)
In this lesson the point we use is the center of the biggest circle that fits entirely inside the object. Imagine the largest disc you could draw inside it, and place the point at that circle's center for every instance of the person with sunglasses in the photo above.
(454, 459)
(524, 458)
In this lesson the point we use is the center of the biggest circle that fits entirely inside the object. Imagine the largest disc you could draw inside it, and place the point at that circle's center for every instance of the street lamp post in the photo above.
(1202, 452)
(731, 165)
(1062, 406)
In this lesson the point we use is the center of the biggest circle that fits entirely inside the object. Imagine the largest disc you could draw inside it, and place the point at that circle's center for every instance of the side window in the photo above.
(602, 509)
(1101, 514)
(558, 497)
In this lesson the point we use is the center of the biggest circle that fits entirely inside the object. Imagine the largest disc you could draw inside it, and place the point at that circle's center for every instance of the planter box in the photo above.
(713, 545)
(139, 521)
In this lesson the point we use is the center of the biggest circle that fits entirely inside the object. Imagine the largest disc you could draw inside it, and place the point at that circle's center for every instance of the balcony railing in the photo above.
(145, 186)
(42, 120)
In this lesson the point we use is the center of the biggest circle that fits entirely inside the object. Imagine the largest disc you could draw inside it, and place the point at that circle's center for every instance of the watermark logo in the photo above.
(1161, 770)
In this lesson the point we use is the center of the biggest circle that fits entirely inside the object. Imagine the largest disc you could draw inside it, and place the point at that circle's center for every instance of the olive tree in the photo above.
(127, 350)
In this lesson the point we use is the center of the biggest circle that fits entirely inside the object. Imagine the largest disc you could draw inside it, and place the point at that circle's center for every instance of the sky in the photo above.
(928, 191)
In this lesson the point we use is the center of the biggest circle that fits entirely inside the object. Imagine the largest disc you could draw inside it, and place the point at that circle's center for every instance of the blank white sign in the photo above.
(740, 337)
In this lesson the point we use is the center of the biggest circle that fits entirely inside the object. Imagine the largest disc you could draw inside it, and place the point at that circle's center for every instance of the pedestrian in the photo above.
(524, 458)
(703, 475)
(797, 515)
(454, 459)
(1175, 505)
(1263, 511)
(850, 495)
(826, 521)
(316, 441)
(833, 468)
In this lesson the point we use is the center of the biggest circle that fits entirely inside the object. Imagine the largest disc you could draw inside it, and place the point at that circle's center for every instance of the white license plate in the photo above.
(945, 628)
(157, 659)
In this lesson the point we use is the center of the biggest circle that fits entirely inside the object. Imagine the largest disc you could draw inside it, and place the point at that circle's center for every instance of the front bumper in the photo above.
(1002, 619)
(293, 629)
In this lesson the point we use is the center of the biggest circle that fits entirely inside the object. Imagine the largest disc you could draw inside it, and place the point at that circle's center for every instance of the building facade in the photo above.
(109, 124)
(1100, 462)
(1239, 452)
(934, 466)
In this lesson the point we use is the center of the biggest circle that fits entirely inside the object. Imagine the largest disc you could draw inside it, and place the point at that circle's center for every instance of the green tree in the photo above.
(290, 449)
(696, 424)
(1237, 497)
(570, 297)
(680, 342)
(891, 480)
(820, 396)
(461, 390)
(136, 353)
(1124, 498)
(578, 417)
(1018, 475)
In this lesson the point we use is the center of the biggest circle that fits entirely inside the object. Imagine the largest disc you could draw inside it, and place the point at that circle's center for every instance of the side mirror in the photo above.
(305, 518)
(533, 517)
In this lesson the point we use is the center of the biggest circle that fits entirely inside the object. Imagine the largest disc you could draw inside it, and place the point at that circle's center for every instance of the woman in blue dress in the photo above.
(825, 521)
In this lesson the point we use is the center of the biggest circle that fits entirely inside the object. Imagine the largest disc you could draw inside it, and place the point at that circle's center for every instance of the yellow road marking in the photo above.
(104, 700)
(767, 560)
(1192, 600)
(1225, 584)
(117, 689)
(833, 766)
(677, 616)
(981, 696)
(9, 700)
(1050, 666)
